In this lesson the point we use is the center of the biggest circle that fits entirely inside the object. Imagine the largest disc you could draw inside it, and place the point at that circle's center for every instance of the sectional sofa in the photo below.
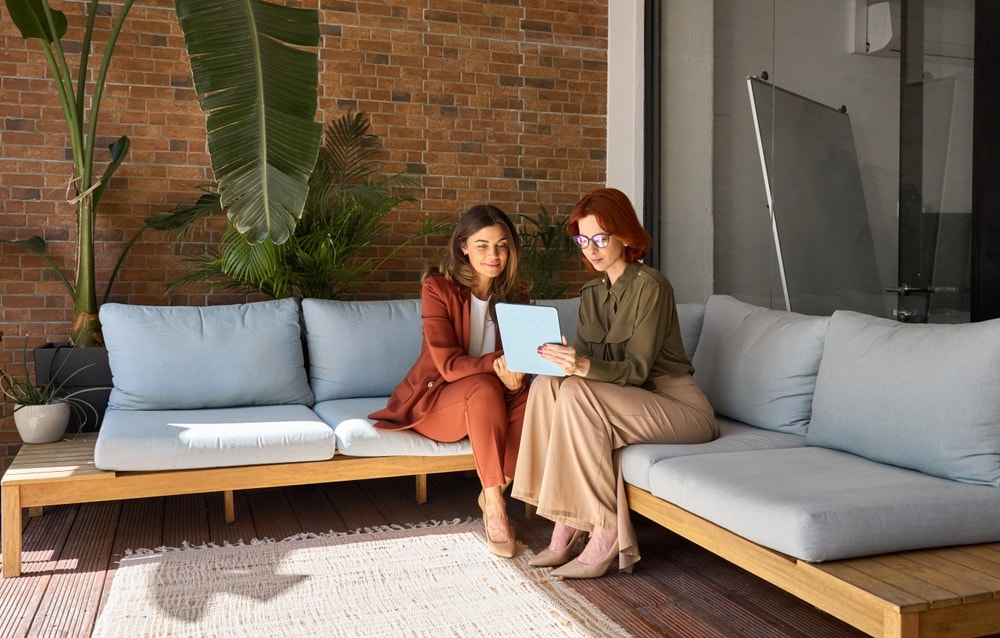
(845, 439)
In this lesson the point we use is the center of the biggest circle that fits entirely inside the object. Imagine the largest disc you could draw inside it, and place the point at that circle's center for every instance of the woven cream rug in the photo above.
(429, 580)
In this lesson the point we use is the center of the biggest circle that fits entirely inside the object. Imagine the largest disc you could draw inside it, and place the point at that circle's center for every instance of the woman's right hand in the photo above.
(565, 357)
(511, 380)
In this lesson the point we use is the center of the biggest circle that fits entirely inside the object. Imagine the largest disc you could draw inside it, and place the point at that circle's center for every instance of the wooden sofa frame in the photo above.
(952, 591)
(942, 592)
(64, 473)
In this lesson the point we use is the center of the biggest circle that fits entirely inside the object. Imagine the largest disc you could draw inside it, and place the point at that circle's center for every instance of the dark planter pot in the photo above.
(62, 360)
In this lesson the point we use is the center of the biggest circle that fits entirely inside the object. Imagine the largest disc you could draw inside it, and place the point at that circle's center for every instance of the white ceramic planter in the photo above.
(41, 423)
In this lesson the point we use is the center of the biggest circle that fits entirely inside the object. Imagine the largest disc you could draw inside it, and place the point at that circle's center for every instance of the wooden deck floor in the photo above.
(678, 589)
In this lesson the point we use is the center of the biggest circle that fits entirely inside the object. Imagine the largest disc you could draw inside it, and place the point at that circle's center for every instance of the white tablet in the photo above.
(523, 328)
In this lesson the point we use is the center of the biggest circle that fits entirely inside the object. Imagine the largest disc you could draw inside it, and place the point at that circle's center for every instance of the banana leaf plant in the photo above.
(343, 218)
(255, 68)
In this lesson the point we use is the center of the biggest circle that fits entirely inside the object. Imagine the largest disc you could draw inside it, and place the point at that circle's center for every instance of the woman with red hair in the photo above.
(627, 381)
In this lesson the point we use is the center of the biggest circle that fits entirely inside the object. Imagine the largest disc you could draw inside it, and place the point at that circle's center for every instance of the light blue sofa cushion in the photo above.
(920, 396)
(185, 357)
(819, 504)
(691, 316)
(758, 365)
(356, 436)
(150, 440)
(637, 459)
(360, 348)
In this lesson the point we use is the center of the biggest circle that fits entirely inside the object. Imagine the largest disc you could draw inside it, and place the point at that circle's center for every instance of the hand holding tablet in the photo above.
(523, 328)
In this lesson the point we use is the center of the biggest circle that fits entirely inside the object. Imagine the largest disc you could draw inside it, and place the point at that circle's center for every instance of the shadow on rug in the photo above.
(425, 580)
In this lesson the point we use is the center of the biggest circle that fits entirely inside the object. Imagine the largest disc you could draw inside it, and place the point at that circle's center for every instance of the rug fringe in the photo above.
(186, 546)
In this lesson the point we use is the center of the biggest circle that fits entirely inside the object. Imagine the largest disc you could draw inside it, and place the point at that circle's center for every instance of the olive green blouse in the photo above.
(629, 330)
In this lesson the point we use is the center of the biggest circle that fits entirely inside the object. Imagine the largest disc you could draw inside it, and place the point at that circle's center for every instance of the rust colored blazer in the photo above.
(444, 358)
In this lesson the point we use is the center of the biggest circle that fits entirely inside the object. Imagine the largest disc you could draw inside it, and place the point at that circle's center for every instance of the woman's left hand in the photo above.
(511, 380)
(565, 357)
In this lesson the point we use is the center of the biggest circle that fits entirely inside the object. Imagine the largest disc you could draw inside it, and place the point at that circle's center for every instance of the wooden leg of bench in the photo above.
(529, 510)
(900, 625)
(229, 504)
(35, 511)
(421, 488)
(11, 530)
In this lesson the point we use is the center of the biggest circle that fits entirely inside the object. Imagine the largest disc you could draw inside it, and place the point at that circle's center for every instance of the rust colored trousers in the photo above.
(479, 407)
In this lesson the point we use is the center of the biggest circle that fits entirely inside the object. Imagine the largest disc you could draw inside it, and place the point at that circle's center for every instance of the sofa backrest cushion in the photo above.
(758, 365)
(920, 396)
(691, 316)
(185, 357)
(365, 348)
(360, 348)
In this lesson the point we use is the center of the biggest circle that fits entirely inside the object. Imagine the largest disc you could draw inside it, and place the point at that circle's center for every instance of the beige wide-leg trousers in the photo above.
(568, 464)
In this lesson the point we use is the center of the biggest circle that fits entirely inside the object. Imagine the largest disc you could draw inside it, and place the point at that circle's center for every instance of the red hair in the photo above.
(616, 215)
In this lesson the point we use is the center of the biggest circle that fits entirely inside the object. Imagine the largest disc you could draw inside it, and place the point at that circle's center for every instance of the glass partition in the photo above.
(823, 243)
(886, 231)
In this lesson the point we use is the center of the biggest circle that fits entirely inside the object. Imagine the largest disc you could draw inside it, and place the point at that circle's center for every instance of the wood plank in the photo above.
(767, 604)
(11, 526)
(123, 485)
(932, 571)
(313, 510)
(221, 531)
(973, 619)
(983, 572)
(917, 583)
(74, 589)
(185, 520)
(272, 514)
(23, 596)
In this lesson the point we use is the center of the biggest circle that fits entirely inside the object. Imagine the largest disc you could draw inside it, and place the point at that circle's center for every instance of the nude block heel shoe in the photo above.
(576, 569)
(552, 558)
(504, 549)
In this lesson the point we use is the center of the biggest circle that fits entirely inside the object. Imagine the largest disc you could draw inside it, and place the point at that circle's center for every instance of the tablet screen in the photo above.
(523, 328)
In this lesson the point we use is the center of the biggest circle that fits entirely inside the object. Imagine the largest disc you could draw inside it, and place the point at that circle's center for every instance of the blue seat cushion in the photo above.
(733, 437)
(149, 440)
(819, 504)
(356, 435)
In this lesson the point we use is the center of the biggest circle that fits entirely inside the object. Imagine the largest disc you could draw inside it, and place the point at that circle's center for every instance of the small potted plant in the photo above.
(42, 411)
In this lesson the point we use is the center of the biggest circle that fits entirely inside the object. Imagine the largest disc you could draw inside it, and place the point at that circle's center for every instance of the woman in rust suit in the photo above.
(627, 381)
(460, 385)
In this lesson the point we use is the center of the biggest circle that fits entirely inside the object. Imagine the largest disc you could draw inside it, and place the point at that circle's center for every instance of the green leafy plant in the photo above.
(545, 247)
(21, 390)
(342, 219)
(262, 139)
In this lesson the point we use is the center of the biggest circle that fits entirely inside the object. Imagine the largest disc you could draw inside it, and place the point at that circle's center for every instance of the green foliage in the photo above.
(545, 248)
(18, 388)
(342, 219)
(256, 65)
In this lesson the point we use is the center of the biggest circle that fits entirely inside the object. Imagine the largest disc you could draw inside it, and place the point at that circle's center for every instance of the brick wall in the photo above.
(501, 101)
